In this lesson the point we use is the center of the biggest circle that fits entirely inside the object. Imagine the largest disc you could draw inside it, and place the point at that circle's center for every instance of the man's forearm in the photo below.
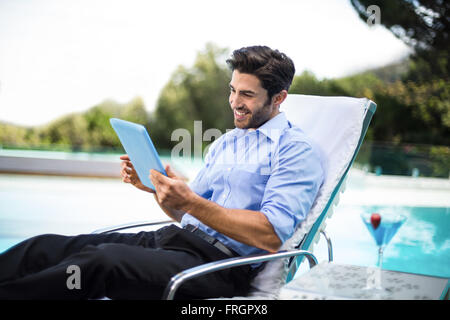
(246, 226)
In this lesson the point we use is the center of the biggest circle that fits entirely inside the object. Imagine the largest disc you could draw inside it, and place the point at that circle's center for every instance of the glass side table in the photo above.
(329, 280)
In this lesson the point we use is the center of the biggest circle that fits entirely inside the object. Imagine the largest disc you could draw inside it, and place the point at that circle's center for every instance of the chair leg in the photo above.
(329, 245)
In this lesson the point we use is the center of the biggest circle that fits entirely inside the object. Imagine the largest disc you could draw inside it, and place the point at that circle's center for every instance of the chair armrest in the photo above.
(131, 225)
(178, 279)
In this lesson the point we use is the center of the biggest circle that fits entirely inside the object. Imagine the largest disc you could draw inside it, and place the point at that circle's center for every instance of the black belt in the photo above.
(211, 240)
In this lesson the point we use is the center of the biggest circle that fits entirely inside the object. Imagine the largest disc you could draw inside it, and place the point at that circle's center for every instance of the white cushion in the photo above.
(334, 124)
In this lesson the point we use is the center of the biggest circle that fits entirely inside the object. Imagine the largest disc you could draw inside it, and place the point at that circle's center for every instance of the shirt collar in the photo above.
(275, 127)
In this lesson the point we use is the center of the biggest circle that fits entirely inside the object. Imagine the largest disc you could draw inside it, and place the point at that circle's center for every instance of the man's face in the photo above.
(249, 101)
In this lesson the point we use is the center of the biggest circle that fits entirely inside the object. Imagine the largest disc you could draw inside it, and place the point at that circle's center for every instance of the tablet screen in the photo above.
(139, 147)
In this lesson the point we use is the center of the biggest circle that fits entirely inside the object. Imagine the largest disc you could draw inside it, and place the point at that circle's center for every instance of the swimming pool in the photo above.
(422, 244)
(31, 205)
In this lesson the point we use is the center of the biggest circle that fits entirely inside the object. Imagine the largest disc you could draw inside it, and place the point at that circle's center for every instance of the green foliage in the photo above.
(413, 109)
(421, 24)
(407, 112)
(68, 130)
(11, 134)
(307, 83)
(440, 156)
(88, 131)
(193, 94)
(134, 111)
(416, 107)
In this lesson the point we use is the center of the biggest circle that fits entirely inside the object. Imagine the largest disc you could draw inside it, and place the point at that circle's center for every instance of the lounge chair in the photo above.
(337, 125)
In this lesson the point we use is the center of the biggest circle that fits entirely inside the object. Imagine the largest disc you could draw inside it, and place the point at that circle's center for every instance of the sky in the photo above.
(61, 56)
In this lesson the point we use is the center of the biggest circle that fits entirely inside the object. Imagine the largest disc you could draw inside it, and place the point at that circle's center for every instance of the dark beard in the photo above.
(260, 117)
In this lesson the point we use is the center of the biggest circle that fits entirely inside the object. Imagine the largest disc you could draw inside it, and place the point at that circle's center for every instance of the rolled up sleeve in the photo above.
(293, 185)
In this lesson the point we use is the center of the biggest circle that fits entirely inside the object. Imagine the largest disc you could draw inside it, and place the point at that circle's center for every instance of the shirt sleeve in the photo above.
(295, 180)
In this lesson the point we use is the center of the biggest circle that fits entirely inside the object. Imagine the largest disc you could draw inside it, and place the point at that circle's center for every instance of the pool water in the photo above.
(421, 245)
(32, 205)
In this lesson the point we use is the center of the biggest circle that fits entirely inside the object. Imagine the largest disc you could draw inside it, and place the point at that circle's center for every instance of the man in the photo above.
(258, 183)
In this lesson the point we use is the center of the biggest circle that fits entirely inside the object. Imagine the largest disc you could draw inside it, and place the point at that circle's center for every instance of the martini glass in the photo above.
(382, 227)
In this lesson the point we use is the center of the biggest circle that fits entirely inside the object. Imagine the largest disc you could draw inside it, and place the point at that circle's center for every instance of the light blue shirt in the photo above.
(274, 169)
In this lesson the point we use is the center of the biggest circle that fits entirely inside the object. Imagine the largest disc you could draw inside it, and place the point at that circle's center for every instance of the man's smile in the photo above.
(240, 115)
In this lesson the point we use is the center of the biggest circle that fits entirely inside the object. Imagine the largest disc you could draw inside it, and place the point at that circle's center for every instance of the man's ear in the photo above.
(279, 97)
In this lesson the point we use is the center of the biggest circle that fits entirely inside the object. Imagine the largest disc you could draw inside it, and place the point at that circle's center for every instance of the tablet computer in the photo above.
(139, 147)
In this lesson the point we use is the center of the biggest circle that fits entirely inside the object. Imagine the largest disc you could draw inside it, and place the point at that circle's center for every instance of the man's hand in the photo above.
(129, 174)
(171, 191)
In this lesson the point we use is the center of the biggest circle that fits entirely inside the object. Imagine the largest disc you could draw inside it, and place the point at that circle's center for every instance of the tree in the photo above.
(134, 111)
(68, 131)
(423, 25)
(199, 93)
(307, 83)
(416, 108)
(11, 135)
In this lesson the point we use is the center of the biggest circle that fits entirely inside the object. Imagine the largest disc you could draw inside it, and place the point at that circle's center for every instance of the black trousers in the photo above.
(115, 265)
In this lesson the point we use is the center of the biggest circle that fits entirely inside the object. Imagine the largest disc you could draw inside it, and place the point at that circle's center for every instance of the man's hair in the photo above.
(274, 69)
